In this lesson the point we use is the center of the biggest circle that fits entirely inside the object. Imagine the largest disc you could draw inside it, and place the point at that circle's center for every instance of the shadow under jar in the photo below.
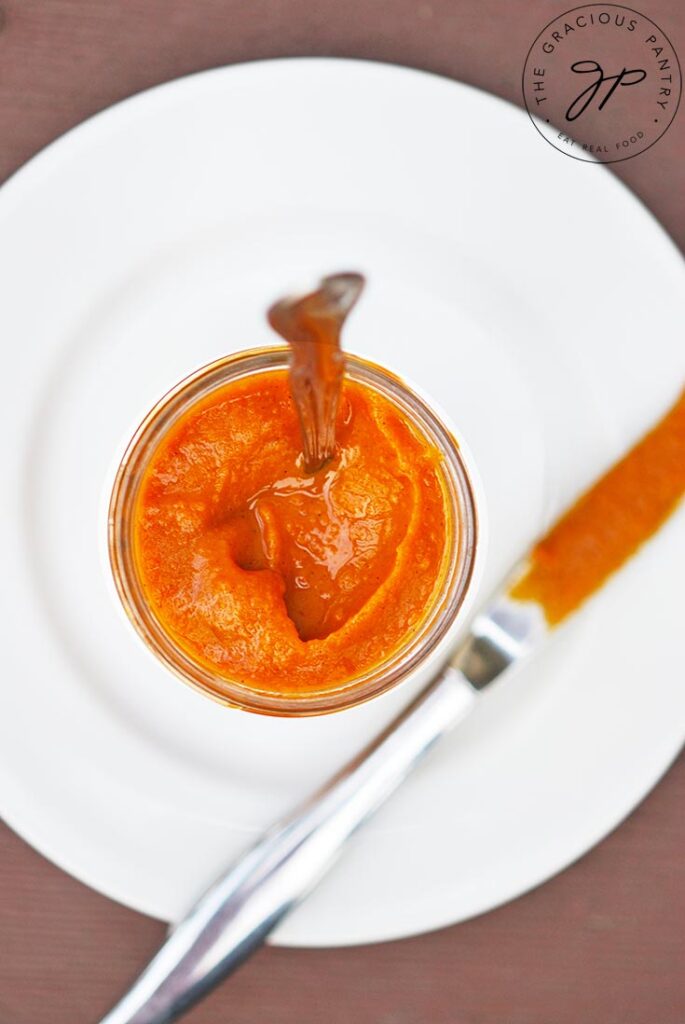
(410, 644)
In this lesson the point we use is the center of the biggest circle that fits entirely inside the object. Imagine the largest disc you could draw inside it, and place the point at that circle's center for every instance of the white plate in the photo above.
(529, 294)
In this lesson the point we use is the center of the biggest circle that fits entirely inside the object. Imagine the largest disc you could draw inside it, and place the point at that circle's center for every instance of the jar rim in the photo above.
(435, 625)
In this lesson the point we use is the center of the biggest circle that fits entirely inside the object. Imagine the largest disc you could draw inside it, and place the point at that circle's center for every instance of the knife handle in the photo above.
(240, 909)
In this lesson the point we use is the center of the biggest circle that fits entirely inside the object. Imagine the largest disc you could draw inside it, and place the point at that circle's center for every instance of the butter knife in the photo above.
(238, 911)
(591, 541)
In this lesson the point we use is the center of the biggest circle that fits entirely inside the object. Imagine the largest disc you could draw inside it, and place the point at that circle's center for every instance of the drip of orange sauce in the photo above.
(609, 522)
(311, 325)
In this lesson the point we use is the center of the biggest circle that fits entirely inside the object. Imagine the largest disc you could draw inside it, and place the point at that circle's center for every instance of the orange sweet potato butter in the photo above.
(278, 579)
(609, 522)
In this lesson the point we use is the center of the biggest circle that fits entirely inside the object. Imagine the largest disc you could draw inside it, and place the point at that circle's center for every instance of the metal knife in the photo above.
(591, 541)
(240, 909)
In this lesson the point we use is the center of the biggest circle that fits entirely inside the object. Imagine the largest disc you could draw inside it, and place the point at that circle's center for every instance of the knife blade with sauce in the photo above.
(587, 545)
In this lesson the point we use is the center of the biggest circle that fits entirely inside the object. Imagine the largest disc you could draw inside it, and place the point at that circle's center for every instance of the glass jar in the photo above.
(457, 572)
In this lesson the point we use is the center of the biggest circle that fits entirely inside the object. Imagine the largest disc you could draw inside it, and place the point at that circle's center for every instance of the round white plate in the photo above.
(529, 294)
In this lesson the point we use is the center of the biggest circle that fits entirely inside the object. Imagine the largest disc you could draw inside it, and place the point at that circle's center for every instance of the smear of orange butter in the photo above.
(609, 522)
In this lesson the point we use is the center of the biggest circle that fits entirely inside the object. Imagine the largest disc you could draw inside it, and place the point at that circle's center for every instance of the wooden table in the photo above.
(604, 942)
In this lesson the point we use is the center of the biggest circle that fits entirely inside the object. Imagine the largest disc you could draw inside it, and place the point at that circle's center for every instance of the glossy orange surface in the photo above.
(278, 579)
(610, 522)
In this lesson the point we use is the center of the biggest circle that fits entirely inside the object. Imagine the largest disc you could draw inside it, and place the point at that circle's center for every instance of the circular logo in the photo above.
(602, 82)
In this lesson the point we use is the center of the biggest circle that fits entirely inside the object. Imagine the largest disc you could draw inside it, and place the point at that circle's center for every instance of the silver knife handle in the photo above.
(236, 914)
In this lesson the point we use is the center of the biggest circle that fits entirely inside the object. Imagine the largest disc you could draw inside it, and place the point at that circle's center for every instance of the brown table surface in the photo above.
(602, 943)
